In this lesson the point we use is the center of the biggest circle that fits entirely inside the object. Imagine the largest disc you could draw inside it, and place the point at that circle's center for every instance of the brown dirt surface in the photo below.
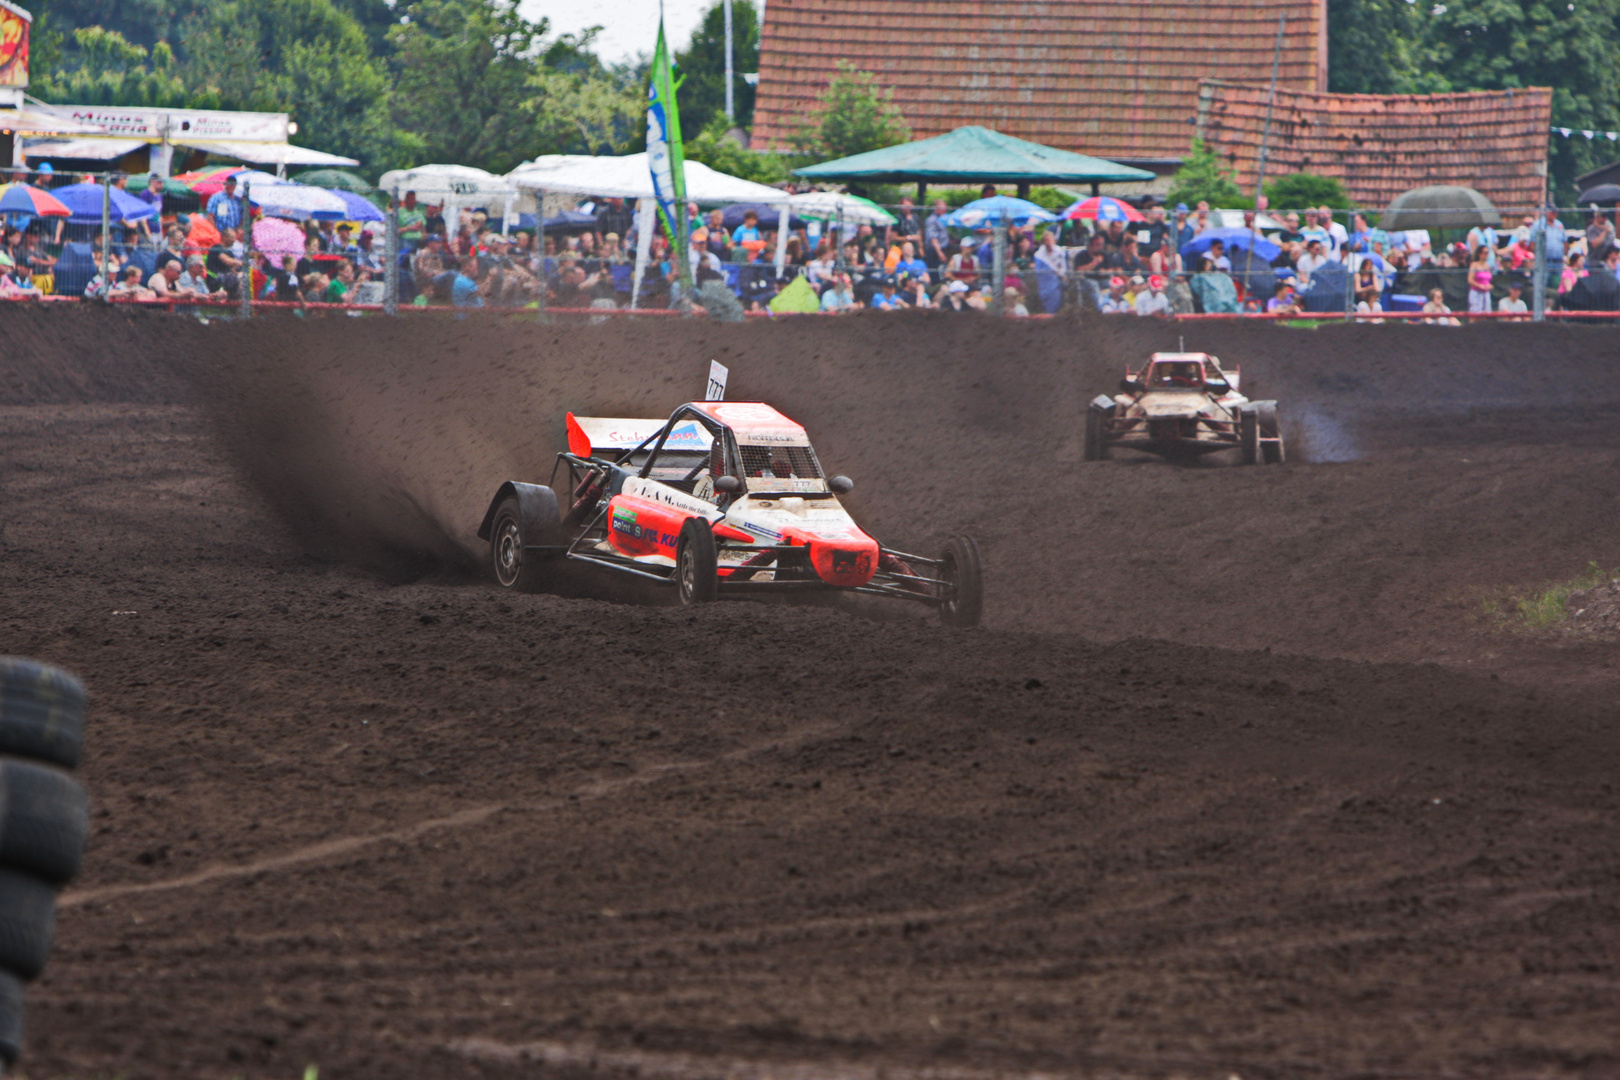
(1236, 778)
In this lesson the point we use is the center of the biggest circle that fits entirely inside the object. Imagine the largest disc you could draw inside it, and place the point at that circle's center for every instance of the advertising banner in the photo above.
(14, 27)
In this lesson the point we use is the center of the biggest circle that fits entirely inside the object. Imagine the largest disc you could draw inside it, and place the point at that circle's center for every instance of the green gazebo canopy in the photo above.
(974, 155)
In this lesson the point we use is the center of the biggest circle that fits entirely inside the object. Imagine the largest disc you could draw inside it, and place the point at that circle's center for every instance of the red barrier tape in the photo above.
(1235, 316)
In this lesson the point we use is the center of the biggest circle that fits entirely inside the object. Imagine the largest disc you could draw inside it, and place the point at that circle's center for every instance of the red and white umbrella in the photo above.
(1103, 208)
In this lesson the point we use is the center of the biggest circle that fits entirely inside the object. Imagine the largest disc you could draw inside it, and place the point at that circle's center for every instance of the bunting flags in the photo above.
(1612, 136)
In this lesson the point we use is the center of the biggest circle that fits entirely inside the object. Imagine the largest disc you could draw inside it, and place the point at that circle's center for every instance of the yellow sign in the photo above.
(13, 46)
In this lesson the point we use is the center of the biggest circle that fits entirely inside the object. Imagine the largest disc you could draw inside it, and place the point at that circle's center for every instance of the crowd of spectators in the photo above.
(919, 261)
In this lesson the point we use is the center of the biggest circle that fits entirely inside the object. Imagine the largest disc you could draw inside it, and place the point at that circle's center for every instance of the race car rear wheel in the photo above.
(696, 563)
(514, 568)
(1249, 437)
(959, 567)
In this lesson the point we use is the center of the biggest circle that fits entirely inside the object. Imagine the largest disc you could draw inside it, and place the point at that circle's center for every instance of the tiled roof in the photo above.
(1379, 146)
(1117, 79)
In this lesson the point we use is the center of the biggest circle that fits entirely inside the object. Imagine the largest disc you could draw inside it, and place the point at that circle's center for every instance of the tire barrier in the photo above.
(44, 820)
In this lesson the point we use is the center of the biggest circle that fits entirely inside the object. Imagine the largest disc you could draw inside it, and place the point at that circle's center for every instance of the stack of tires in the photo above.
(44, 818)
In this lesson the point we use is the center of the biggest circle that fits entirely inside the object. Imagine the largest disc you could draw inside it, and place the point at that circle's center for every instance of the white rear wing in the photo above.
(588, 434)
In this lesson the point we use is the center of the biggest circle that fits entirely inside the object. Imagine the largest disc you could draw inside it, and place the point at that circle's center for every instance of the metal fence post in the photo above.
(540, 248)
(998, 275)
(391, 267)
(106, 230)
(245, 277)
(1539, 286)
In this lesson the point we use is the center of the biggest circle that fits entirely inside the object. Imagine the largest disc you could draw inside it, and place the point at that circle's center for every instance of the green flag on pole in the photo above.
(665, 158)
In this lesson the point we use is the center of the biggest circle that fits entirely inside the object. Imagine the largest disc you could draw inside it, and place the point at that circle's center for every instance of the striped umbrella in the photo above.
(1103, 208)
(27, 199)
(206, 182)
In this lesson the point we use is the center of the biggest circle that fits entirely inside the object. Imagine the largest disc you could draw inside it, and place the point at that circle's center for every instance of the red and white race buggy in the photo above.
(725, 498)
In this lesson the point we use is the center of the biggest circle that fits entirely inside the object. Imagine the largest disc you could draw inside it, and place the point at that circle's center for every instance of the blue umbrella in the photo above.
(983, 213)
(360, 207)
(84, 200)
(768, 215)
(1235, 239)
(571, 219)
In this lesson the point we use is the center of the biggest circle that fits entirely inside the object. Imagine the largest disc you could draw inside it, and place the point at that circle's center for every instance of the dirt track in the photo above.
(1195, 800)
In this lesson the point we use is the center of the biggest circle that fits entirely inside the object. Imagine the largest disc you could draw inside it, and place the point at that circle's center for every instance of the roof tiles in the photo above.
(1116, 79)
(1380, 146)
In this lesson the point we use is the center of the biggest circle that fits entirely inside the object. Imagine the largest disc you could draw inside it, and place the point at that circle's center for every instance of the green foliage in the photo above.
(141, 22)
(702, 95)
(1374, 47)
(855, 116)
(305, 57)
(1388, 46)
(462, 71)
(1300, 190)
(1201, 178)
(114, 71)
(587, 112)
(712, 148)
(1546, 609)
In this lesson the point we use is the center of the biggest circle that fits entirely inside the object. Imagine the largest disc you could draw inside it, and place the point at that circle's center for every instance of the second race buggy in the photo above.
(1183, 404)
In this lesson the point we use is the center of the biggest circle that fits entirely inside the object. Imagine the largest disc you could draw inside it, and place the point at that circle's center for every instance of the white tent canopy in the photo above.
(267, 153)
(628, 178)
(81, 149)
(453, 185)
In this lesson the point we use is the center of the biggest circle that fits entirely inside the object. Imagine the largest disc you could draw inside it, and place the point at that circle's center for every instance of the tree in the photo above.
(855, 116)
(587, 112)
(113, 71)
(303, 57)
(1201, 178)
(1297, 191)
(1510, 44)
(702, 95)
(714, 149)
(1374, 47)
(463, 69)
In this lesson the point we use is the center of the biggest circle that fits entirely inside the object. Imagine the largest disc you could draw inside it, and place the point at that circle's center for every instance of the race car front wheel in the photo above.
(963, 601)
(515, 568)
(696, 563)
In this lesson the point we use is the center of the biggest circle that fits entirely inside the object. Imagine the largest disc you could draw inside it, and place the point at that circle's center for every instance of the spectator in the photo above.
(94, 287)
(1360, 237)
(964, 267)
(1290, 233)
(840, 296)
(908, 263)
(314, 285)
(340, 288)
(1051, 263)
(1336, 233)
(1599, 237)
(1126, 260)
(1553, 247)
(1512, 303)
(747, 235)
(615, 217)
(705, 264)
(1285, 302)
(368, 261)
(1152, 300)
(225, 206)
(165, 280)
(952, 297)
(195, 277)
(885, 298)
(1113, 236)
(129, 287)
(344, 242)
(1574, 270)
(820, 271)
(1153, 236)
(1311, 261)
(1114, 302)
(914, 292)
(1436, 306)
(14, 285)
(1484, 236)
(1012, 303)
(905, 229)
(1185, 230)
(1091, 260)
(1200, 219)
(1216, 256)
(974, 298)
(428, 263)
(412, 223)
(153, 196)
(937, 237)
(1479, 281)
(719, 243)
(464, 289)
(1312, 231)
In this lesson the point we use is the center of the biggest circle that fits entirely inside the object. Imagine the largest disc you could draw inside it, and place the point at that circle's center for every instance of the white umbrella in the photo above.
(285, 199)
(833, 205)
(627, 177)
(453, 185)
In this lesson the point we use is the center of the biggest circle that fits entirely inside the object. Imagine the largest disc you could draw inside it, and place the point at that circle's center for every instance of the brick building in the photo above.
(1110, 78)
(1381, 145)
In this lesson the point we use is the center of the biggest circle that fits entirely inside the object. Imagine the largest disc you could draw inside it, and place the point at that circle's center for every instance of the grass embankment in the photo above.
(1545, 610)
